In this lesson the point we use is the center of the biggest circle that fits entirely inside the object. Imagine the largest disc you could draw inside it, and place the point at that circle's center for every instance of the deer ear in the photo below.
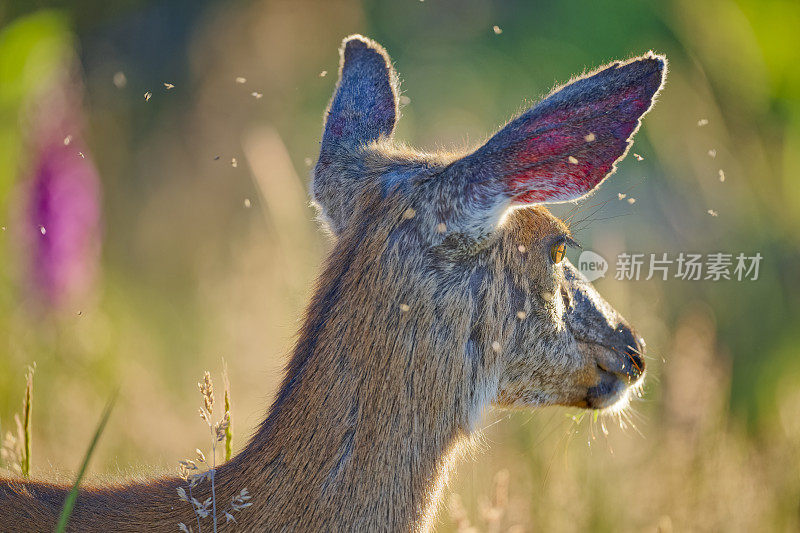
(562, 148)
(363, 109)
(364, 106)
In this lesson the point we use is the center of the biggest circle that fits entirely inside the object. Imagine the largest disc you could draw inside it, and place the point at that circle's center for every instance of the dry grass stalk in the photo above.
(15, 450)
(188, 470)
(492, 512)
(458, 514)
(11, 449)
(27, 405)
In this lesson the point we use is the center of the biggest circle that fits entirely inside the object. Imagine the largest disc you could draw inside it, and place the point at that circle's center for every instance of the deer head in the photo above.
(462, 244)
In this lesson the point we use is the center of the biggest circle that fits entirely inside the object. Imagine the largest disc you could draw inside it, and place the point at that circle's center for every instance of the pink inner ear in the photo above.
(570, 151)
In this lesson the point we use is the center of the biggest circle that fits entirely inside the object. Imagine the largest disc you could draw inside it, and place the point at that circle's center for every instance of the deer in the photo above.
(446, 293)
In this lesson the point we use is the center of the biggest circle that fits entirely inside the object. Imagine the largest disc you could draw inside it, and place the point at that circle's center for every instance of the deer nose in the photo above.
(633, 349)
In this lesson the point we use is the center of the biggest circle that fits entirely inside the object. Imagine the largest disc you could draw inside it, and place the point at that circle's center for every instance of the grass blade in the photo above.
(69, 502)
(27, 406)
(229, 429)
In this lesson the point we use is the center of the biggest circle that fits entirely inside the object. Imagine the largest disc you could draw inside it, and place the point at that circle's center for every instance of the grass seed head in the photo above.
(207, 390)
(221, 427)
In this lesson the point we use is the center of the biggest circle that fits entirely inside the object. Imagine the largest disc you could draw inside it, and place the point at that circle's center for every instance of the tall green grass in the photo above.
(69, 503)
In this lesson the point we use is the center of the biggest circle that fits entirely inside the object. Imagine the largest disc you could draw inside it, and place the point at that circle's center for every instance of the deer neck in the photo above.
(373, 410)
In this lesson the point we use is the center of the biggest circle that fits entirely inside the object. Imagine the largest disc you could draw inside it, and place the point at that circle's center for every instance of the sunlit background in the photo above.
(154, 163)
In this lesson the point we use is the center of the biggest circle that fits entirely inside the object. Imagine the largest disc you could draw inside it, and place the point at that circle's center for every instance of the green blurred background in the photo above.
(189, 257)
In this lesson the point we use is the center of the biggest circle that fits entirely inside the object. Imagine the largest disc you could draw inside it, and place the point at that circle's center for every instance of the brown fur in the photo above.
(413, 330)
(349, 449)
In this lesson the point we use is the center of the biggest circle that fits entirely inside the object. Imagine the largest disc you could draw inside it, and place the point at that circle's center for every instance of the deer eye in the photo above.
(557, 251)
